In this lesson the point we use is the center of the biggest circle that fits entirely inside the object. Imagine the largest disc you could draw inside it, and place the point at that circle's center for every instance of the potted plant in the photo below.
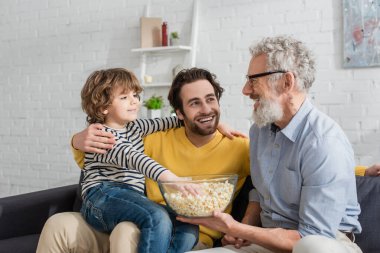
(174, 39)
(154, 105)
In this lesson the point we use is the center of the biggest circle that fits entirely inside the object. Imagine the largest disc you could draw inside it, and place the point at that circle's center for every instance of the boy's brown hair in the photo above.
(97, 92)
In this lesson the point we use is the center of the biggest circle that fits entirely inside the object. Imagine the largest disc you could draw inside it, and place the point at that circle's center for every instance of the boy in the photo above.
(114, 183)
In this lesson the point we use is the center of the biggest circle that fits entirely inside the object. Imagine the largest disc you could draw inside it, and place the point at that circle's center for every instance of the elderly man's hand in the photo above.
(237, 242)
(373, 171)
(222, 222)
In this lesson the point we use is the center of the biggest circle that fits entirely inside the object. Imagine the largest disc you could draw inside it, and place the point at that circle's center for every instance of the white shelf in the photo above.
(162, 49)
(163, 84)
(188, 51)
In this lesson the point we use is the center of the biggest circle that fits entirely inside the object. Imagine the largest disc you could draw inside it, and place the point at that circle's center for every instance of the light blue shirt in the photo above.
(304, 175)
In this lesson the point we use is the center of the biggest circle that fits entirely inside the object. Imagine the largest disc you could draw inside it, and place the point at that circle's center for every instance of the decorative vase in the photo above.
(174, 42)
(156, 113)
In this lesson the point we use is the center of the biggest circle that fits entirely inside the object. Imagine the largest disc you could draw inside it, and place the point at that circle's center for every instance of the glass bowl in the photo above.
(216, 193)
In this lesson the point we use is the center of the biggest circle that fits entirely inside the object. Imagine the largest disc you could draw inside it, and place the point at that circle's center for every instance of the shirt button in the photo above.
(276, 145)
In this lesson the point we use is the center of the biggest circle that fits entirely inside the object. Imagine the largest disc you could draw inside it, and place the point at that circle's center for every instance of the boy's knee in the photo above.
(160, 216)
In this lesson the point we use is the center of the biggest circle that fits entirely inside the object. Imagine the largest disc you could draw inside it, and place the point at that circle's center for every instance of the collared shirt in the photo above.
(304, 175)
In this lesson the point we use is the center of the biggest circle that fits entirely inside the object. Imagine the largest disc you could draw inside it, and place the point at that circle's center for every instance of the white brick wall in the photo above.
(48, 48)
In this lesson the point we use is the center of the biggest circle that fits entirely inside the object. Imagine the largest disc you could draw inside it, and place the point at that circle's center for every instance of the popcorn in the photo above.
(215, 196)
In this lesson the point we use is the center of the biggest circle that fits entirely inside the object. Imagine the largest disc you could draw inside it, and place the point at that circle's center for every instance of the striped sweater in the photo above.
(126, 161)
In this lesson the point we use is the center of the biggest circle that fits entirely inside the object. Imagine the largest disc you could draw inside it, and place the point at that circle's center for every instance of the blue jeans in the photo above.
(110, 203)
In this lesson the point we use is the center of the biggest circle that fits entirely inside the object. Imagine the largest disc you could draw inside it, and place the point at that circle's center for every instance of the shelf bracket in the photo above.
(194, 33)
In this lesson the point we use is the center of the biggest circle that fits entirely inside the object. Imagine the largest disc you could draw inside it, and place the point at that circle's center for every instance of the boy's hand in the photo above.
(189, 188)
(184, 188)
(93, 139)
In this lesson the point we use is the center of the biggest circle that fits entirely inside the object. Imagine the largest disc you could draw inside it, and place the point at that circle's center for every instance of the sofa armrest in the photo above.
(368, 189)
(26, 213)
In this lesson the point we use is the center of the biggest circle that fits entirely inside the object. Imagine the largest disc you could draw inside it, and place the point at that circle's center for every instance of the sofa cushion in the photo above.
(20, 244)
(368, 189)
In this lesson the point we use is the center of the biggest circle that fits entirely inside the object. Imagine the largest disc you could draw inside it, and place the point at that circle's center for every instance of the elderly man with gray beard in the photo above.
(302, 164)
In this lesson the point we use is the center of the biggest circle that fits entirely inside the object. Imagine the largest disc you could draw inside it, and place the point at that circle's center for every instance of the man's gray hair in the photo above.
(289, 54)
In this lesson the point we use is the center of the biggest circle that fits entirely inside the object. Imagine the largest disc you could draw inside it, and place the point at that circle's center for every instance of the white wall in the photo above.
(49, 47)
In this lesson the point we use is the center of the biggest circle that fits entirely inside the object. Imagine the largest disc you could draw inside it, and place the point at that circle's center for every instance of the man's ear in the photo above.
(179, 114)
(289, 81)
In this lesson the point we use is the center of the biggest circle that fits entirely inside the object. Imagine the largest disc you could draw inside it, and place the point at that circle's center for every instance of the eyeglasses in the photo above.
(252, 79)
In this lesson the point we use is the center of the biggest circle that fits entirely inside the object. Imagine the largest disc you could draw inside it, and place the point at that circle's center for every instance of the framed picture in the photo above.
(361, 31)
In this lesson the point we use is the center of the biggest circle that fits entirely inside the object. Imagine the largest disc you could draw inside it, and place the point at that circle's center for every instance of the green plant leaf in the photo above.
(154, 102)
(174, 35)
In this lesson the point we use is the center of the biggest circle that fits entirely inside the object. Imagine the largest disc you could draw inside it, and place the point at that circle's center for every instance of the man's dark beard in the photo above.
(201, 131)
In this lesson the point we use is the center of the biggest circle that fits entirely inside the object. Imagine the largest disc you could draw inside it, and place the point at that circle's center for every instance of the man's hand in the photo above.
(229, 132)
(373, 171)
(94, 139)
(237, 242)
(221, 222)
(248, 218)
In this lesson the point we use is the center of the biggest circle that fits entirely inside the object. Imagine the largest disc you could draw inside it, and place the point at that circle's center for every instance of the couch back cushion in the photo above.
(368, 189)
(239, 205)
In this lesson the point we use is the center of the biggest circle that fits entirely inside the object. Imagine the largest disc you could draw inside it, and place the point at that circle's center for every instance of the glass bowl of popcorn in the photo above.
(199, 196)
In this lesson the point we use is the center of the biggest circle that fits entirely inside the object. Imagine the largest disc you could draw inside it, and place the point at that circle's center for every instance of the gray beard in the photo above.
(268, 112)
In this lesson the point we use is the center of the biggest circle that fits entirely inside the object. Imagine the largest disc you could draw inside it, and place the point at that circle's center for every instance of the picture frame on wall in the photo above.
(361, 33)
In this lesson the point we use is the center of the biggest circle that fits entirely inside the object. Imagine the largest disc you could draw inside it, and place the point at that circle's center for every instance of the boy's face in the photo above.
(201, 110)
(124, 108)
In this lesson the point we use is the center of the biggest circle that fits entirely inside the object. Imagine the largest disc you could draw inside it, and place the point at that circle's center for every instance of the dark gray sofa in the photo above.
(23, 216)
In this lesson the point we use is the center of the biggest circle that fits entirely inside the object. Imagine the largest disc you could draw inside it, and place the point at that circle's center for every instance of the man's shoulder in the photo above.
(323, 126)
(239, 141)
(167, 135)
(323, 136)
(236, 142)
